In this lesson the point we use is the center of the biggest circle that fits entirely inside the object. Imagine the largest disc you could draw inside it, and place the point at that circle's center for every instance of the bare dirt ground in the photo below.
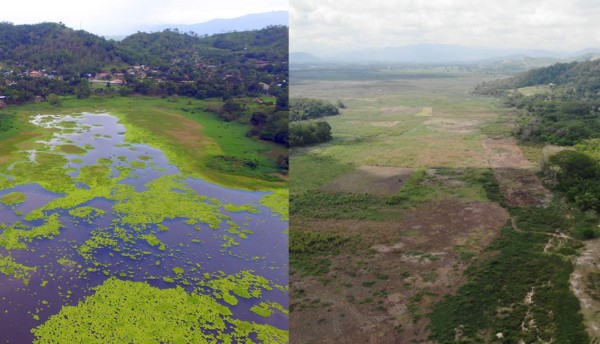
(515, 175)
(587, 265)
(377, 180)
(383, 294)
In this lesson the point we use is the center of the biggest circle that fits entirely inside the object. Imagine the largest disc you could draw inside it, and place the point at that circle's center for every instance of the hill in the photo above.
(246, 23)
(573, 80)
(51, 58)
(48, 60)
(55, 47)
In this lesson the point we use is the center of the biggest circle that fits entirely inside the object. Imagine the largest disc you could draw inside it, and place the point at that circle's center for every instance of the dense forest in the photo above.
(49, 60)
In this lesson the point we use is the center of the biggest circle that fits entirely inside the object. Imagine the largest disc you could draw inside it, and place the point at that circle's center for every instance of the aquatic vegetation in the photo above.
(5, 182)
(140, 209)
(9, 267)
(13, 198)
(47, 170)
(70, 149)
(277, 201)
(239, 208)
(149, 315)
(86, 212)
(244, 284)
(18, 235)
(151, 239)
(113, 218)
(265, 309)
(137, 164)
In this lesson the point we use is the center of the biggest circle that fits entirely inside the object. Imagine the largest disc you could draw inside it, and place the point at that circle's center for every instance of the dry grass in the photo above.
(375, 180)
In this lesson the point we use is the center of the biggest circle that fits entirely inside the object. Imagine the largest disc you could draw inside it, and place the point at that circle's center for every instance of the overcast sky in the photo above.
(332, 26)
(116, 17)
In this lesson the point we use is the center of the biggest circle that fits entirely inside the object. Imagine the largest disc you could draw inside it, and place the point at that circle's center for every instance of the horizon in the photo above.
(122, 18)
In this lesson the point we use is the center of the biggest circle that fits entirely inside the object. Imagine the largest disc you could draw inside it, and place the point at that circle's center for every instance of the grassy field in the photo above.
(378, 265)
(406, 123)
(196, 141)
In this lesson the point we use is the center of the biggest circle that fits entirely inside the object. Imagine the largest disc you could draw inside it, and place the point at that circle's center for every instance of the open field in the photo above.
(374, 254)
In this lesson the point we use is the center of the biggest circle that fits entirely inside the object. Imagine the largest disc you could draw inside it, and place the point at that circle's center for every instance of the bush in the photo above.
(306, 133)
(54, 99)
(307, 108)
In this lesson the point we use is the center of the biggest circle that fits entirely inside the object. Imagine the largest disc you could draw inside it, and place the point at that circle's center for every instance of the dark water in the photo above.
(185, 245)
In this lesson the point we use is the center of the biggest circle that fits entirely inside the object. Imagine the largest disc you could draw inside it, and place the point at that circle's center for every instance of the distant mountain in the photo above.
(248, 22)
(440, 53)
(303, 58)
(448, 53)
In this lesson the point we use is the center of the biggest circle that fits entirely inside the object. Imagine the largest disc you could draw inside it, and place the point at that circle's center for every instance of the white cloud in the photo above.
(329, 27)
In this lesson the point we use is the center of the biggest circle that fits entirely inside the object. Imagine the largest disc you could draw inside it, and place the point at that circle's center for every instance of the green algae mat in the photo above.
(106, 237)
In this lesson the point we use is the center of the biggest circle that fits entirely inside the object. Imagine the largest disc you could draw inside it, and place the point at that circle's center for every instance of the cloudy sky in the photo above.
(116, 17)
(332, 26)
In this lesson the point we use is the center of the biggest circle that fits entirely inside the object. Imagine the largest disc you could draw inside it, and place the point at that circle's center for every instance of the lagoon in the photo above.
(130, 221)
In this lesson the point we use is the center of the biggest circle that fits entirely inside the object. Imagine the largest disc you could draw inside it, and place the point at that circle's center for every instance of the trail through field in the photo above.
(585, 284)
(515, 174)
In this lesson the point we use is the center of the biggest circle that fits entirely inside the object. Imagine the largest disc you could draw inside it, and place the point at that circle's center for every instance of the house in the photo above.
(35, 74)
(117, 82)
(261, 63)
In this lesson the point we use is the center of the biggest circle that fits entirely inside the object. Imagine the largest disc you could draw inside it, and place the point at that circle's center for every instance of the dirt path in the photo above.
(586, 266)
(515, 174)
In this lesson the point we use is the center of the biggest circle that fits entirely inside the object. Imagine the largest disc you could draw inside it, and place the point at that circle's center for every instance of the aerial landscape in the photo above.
(143, 186)
(441, 192)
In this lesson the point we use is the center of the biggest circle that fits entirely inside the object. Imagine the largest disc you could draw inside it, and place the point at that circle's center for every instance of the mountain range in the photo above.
(438, 53)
